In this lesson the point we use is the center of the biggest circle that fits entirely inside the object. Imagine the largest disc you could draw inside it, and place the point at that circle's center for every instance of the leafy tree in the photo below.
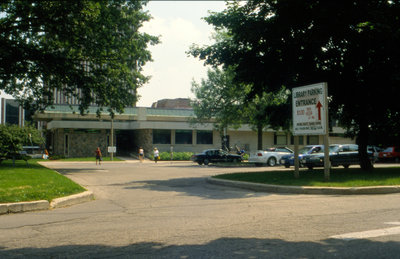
(92, 50)
(352, 45)
(268, 110)
(13, 138)
(220, 99)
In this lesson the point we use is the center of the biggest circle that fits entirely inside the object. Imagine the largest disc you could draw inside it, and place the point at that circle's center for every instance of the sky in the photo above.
(179, 25)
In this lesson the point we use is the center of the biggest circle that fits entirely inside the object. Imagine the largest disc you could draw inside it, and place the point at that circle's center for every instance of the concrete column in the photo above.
(194, 137)
(172, 137)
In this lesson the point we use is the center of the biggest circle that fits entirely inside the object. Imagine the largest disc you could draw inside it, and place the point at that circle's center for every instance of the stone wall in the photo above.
(79, 144)
(144, 138)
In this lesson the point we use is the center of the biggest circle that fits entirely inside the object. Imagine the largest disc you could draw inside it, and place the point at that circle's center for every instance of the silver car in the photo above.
(270, 156)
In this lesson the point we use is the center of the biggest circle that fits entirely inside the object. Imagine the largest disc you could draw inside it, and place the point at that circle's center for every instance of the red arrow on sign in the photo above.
(319, 105)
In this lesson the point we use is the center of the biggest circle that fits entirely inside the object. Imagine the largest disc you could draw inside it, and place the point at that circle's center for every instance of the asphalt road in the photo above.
(167, 210)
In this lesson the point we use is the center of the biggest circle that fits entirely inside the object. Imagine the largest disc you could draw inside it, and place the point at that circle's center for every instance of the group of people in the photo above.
(156, 153)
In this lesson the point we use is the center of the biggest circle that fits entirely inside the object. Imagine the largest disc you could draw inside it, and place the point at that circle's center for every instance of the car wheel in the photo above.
(396, 160)
(206, 162)
(346, 166)
(272, 161)
(287, 166)
(200, 163)
(310, 167)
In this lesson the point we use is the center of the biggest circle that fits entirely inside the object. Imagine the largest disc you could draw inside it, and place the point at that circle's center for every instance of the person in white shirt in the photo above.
(156, 154)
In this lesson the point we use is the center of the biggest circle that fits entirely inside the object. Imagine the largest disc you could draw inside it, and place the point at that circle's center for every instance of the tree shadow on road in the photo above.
(195, 187)
(219, 248)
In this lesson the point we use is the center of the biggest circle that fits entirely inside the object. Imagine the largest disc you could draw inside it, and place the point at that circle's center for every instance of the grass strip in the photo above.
(351, 177)
(33, 182)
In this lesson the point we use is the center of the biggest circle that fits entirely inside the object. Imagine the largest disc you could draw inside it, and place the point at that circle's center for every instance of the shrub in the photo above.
(178, 156)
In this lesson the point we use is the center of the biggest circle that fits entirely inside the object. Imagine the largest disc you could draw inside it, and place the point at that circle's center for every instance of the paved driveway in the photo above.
(167, 210)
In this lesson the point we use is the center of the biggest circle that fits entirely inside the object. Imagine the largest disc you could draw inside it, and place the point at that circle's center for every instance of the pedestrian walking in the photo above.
(156, 154)
(98, 155)
(141, 154)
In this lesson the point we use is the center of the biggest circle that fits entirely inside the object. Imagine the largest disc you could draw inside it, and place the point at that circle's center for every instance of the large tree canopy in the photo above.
(92, 50)
(352, 45)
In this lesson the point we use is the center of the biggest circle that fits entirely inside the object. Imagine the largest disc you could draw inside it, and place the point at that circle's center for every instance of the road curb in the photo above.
(72, 200)
(305, 189)
(17, 207)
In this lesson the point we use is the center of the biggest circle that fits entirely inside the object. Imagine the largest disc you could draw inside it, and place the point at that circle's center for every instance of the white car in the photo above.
(270, 156)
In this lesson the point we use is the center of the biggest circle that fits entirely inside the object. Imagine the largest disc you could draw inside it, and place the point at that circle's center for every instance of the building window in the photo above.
(66, 145)
(280, 139)
(204, 137)
(301, 140)
(12, 112)
(312, 140)
(161, 136)
(183, 137)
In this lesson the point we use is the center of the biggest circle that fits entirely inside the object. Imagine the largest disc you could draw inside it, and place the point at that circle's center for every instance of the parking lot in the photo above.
(168, 210)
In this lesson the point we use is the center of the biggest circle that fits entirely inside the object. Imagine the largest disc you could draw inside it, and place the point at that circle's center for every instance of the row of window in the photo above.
(206, 137)
(281, 139)
(182, 137)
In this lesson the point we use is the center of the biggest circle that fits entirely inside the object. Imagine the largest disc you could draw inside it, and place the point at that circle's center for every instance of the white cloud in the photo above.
(180, 25)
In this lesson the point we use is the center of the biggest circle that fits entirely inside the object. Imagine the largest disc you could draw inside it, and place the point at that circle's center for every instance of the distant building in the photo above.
(179, 103)
(12, 113)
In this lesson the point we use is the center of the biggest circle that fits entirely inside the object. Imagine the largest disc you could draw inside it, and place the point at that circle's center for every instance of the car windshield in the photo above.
(389, 149)
(333, 148)
(304, 150)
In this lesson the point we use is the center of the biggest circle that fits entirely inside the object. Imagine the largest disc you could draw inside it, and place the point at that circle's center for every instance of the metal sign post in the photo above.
(112, 139)
(310, 116)
(296, 157)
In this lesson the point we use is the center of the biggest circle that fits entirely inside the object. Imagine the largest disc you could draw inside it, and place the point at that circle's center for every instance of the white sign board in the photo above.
(310, 109)
(112, 149)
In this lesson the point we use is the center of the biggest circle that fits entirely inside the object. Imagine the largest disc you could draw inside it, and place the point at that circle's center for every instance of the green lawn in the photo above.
(351, 177)
(33, 182)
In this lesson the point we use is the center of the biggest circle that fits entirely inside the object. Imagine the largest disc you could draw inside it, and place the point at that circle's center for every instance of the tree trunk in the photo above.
(259, 136)
(362, 141)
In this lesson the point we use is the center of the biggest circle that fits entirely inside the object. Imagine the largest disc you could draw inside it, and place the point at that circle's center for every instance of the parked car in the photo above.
(215, 155)
(375, 151)
(390, 154)
(288, 160)
(270, 156)
(344, 155)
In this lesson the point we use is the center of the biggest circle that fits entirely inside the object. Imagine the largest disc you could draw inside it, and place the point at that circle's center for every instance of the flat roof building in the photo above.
(70, 134)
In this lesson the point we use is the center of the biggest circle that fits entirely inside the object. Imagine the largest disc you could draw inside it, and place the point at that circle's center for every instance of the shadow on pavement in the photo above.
(219, 248)
(193, 187)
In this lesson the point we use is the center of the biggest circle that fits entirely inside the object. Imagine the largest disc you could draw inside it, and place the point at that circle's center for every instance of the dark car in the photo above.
(390, 153)
(344, 155)
(288, 160)
(214, 156)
